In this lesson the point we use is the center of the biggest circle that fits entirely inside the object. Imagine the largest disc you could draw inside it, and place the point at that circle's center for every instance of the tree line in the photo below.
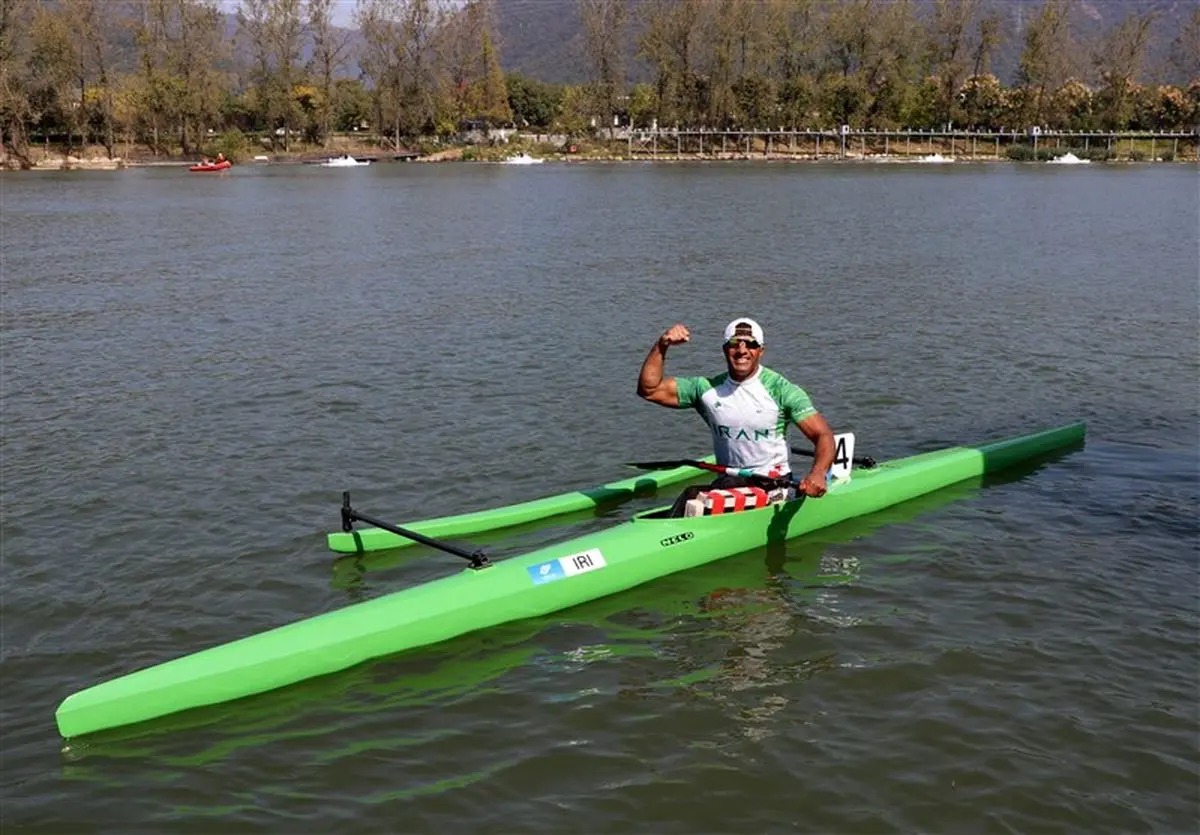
(171, 75)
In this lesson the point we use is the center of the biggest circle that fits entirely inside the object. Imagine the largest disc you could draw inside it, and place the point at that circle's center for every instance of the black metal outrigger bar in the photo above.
(478, 558)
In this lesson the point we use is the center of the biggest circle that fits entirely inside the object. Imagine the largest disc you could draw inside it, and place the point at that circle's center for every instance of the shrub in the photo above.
(1025, 153)
(233, 144)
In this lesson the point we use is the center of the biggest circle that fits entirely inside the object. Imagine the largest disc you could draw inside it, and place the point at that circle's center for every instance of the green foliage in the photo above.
(797, 101)
(1073, 102)
(755, 97)
(643, 104)
(1025, 153)
(533, 103)
(233, 144)
(984, 101)
(351, 104)
(844, 100)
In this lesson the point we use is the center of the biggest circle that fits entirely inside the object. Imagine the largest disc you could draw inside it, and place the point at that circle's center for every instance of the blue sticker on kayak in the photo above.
(546, 572)
(563, 567)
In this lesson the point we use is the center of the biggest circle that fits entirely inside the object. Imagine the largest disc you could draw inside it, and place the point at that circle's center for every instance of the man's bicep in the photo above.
(666, 394)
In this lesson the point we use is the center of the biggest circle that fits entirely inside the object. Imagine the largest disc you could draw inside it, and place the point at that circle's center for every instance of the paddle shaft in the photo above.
(864, 461)
(712, 468)
(477, 558)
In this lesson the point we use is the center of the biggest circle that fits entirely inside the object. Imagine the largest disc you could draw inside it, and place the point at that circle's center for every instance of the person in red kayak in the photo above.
(748, 409)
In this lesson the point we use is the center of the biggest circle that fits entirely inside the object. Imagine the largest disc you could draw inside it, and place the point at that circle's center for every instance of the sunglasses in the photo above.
(752, 344)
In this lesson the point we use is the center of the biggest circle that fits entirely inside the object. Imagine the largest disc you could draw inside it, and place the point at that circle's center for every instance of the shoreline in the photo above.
(455, 155)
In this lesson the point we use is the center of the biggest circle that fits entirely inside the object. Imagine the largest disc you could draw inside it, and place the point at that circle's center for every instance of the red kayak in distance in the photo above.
(212, 166)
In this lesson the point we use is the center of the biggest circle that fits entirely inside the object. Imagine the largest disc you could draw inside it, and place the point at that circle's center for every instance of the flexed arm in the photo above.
(652, 385)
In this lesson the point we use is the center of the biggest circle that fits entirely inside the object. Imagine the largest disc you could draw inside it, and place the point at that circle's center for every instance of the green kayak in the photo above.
(543, 581)
(465, 524)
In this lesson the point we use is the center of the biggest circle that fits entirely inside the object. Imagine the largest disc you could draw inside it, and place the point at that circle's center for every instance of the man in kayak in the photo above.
(748, 409)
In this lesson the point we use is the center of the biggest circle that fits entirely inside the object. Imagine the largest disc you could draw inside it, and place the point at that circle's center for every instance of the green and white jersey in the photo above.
(749, 420)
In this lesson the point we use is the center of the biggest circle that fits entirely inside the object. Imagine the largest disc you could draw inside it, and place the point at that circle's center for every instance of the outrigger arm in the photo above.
(478, 558)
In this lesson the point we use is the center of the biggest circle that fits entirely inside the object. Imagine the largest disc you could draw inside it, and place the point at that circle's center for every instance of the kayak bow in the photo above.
(543, 581)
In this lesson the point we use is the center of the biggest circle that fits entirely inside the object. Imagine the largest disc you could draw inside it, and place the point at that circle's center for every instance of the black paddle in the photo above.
(712, 468)
(864, 461)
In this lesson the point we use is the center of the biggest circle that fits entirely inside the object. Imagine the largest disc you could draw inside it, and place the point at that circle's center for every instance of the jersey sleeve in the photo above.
(798, 404)
(689, 389)
(794, 402)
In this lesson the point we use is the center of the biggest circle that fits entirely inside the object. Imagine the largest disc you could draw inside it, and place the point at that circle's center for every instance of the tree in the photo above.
(16, 110)
(1119, 62)
(792, 27)
(669, 43)
(493, 92)
(274, 28)
(643, 104)
(56, 72)
(949, 51)
(875, 49)
(533, 103)
(1074, 104)
(474, 81)
(398, 58)
(604, 26)
(1046, 61)
(352, 104)
(90, 30)
(984, 98)
(330, 48)
(180, 43)
(987, 39)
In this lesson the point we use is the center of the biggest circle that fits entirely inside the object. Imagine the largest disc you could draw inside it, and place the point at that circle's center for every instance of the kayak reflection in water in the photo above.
(748, 409)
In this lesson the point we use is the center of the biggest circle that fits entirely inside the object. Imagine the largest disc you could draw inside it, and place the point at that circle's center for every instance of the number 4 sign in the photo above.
(843, 453)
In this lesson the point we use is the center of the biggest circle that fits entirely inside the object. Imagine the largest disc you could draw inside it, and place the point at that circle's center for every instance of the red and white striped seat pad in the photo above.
(734, 499)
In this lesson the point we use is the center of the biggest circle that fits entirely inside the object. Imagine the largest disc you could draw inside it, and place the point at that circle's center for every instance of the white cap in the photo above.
(738, 328)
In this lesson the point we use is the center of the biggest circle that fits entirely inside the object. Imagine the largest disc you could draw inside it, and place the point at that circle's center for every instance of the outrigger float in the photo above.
(547, 580)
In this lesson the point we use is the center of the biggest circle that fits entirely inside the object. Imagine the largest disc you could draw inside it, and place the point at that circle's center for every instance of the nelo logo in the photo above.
(676, 539)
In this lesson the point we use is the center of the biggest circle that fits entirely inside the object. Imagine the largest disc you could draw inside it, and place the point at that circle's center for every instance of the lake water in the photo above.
(194, 367)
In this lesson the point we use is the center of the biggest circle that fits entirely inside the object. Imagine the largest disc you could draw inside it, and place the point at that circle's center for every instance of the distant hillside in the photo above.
(542, 38)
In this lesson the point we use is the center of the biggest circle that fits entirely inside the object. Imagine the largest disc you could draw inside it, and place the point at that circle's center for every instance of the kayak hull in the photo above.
(540, 582)
(465, 524)
(215, 166)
